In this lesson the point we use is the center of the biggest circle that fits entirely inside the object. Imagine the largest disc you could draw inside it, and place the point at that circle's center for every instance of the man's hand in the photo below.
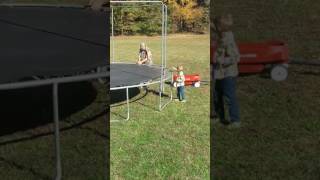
(220, 60)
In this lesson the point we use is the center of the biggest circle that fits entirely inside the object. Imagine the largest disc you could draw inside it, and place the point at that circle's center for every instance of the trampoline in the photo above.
(50, 45)
(63, 41)
(126, 75)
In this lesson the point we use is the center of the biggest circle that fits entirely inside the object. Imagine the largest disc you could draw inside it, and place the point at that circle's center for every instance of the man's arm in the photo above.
(232, 51)
(149, 55)
(140, 60)
(219, 56)
(144, 60)
(233, 58)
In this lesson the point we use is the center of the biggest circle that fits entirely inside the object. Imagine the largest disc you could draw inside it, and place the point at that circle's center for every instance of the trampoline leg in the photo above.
(161, 107)
(160, 95)
(128, 106)
(56, 131)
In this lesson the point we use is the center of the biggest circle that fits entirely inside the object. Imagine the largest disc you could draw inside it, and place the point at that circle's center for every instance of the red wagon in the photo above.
(190, 80)
(261, 56)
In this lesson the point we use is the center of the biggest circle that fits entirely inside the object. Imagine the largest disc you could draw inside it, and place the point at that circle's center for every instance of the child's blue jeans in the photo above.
(180, 93)
(226, 88)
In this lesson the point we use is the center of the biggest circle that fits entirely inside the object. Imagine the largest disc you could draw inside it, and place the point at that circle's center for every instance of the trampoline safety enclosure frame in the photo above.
(164, 75)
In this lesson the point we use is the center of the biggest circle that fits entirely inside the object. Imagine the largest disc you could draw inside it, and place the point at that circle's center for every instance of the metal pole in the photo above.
(59, 80)
(112, 34)
(56, 130)
(162, 59)
(165, 35)
(128, 105)
(163, 38)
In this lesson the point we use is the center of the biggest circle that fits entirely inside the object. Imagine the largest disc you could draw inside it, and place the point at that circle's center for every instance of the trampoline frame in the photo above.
(98, 74)
(163, 78)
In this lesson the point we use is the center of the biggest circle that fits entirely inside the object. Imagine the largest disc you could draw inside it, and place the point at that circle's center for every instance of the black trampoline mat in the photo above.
(51, 41)
(122, 75)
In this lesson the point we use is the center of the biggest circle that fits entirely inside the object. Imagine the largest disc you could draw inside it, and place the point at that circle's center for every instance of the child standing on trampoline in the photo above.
(145, 56)
(180, 83)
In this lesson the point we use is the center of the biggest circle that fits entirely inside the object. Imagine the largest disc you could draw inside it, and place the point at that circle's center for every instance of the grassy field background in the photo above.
(280, 134)
(171, 144)
(174, 143)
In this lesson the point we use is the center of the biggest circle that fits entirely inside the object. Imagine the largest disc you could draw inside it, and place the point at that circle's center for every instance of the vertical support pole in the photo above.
(56, 131)
(128, 104)
(112, 35)
(162, 55)
(165, 36)
(128, 107)
(165, 41)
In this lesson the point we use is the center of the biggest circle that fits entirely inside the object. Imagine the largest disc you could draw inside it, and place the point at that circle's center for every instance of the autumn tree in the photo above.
(183, 16)
(187, 15)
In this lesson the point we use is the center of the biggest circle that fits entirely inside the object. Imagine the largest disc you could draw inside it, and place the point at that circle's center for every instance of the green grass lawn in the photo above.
(173, 143)
(280, 134)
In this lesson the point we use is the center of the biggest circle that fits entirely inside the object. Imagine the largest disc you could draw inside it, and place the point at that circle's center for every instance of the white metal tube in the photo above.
(128, 106)
(42, 5)
(112, 34)
(56, 131)
(44, 82)
(162, 58)
(165, 36)
(140, 85)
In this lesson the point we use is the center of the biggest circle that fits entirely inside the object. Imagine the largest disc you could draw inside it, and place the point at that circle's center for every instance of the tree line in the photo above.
(145, 19)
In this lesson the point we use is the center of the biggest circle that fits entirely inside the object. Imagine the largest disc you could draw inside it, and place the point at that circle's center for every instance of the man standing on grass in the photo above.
(225, 72)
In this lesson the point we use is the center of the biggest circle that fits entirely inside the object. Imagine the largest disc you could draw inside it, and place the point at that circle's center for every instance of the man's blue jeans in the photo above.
(180, 92)
(225, 89)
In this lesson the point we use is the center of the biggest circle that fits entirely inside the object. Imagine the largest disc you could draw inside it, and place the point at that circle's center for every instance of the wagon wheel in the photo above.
(174, 84)
(196, 84)
(279, 72)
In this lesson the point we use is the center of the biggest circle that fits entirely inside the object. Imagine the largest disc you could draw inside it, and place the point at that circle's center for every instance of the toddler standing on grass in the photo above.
(180, 83)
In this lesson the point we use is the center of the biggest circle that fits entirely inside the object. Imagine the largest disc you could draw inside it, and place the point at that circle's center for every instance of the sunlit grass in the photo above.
(173, 143)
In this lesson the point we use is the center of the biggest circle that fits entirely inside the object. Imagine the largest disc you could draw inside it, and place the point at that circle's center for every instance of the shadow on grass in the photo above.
(154, 92)
(29, 108)
(24, 168)
(34, 172)
(308, 73)
(85, 121)
(118, 97)
(266, 73)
